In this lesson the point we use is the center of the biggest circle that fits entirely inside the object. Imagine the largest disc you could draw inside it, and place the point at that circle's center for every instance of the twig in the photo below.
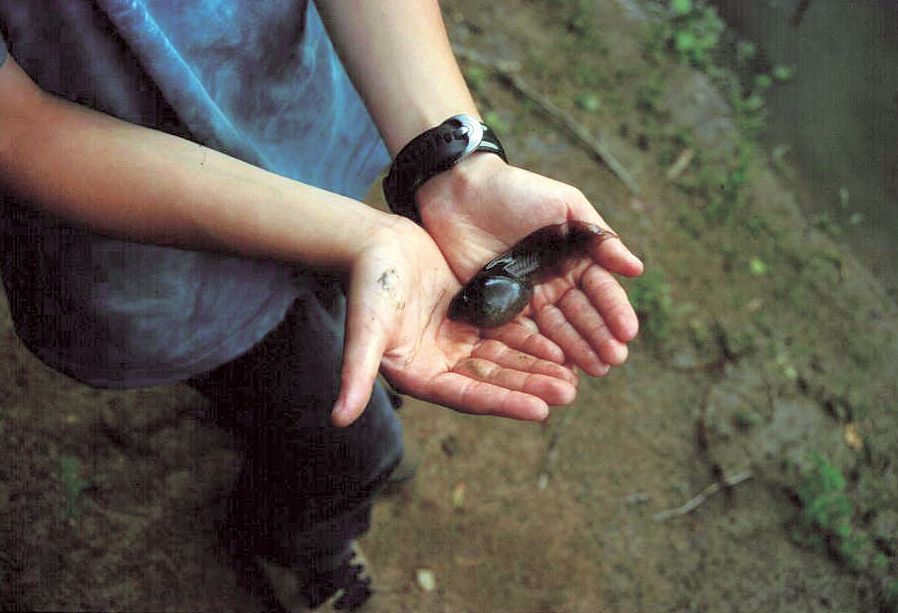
(702, 496)
(552, 451)
(508, 73)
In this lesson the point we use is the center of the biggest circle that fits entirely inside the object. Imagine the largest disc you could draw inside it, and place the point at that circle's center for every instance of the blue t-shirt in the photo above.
(257, 80)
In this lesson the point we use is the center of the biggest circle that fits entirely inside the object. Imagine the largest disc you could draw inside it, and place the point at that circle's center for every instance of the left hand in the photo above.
(398, 292)
(483, 206)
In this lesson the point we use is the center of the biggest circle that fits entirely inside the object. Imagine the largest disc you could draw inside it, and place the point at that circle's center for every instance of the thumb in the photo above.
(363, 349)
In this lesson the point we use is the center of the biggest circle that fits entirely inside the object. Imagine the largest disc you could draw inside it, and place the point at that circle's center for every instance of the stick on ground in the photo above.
(509, 75)
(702, 496)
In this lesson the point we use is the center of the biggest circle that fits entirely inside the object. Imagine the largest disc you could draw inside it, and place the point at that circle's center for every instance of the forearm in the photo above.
(144, 185)
(398, 55)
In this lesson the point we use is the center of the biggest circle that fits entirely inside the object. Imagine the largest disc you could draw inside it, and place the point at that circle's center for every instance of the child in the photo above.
(195, 214)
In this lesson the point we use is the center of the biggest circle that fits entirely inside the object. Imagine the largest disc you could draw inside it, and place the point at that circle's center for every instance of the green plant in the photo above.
(650, 295)
(826, 521)
(497, 122)
(588, 102)
(74, 484)
(783, 73)
(578, 16)
(758, 267)
(476, 76)
(693, 32)
(826, 512)
(890, 594)
(747, 418)
(745, 52)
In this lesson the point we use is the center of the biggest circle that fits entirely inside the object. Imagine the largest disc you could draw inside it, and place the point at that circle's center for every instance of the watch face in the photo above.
(471, 127)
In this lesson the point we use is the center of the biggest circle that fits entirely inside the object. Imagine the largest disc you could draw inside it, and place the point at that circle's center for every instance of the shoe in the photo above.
(283, 589)
(345, 588)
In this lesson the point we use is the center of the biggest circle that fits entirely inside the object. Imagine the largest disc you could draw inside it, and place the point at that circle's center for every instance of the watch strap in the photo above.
(431, 153)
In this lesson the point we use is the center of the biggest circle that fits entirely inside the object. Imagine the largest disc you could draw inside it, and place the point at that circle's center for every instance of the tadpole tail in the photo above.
(576, 231)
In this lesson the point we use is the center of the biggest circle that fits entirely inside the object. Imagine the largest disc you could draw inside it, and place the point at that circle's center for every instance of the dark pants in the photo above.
(305, 489)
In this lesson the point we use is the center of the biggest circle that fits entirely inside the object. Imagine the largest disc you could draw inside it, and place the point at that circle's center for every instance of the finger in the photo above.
(552, 390)
(518, 335)
(363, 350)
(468, 395)
(591, 326)
(607, 295)
(611, 252)
(614, 255)
(553, 323)
(507, 357)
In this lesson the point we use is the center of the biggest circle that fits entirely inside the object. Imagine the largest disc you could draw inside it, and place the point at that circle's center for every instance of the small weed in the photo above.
(691, 31)
(476, 76)
(747, 418)
(586, 77)
(757, 267)
(581, 16)
(648, 97)
(745, 52)
(783, 73)
(497, 122)
(588, 102)
(826, 512)
(74, 485)
(650, 295)
(891, 594)
(722, 188)
(826, 522)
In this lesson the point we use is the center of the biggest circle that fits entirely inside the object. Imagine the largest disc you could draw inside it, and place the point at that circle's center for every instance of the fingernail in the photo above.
(614, 352)
(599, 368)
(628, 325)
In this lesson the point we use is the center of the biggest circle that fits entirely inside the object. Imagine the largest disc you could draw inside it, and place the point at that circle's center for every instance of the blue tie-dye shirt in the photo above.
(257, 80)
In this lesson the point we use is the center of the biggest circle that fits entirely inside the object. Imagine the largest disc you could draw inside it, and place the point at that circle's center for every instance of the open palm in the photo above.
(487, 206)
(398, 296)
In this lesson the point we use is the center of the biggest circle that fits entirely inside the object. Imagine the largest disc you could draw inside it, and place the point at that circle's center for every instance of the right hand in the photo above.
(398, 294)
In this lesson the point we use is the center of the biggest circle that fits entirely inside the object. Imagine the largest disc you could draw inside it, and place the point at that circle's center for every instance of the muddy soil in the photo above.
(751, 370)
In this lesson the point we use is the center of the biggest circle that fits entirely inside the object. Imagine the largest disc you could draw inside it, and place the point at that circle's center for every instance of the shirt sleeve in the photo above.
(2, 51)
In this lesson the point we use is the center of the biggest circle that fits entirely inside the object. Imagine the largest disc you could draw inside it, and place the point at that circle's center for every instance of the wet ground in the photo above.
(765, 346)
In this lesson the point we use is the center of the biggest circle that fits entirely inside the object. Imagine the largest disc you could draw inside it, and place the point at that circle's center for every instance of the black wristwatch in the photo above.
(432, 152)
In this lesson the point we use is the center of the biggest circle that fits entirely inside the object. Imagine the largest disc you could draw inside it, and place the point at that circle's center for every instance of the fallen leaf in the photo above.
(426, 579)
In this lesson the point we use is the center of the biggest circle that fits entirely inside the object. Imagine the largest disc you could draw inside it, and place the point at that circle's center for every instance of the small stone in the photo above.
(426, 579)
(458, 495)
(852, 436)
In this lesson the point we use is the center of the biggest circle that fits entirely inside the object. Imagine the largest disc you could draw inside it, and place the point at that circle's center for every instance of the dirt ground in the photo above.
(108, 498)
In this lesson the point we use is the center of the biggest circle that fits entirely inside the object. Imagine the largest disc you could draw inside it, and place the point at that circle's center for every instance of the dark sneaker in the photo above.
(346, 588)
(281, 587)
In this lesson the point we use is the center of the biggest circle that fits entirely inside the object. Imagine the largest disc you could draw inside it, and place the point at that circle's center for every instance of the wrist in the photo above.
(461, 182)
(434, 152)
(472, 171)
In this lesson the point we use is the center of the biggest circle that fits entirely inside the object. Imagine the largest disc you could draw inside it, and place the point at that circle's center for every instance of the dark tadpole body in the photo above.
(502, 288)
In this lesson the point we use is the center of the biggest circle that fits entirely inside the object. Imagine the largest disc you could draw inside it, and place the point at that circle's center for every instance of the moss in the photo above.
(651, 297)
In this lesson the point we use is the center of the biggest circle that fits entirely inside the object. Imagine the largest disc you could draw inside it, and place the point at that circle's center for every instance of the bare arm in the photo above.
(398, 55)
(140, 184)
(127, 181)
